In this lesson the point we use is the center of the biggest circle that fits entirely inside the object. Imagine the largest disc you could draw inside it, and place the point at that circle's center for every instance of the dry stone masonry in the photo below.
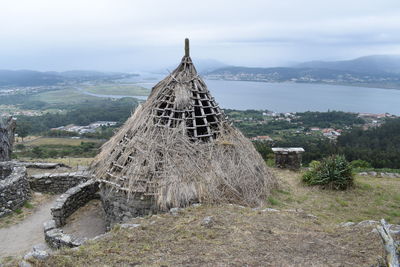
(14, 188)
(119, 207)
(72, 200)
(67, 204)
(288, 158)
(56, 182)
(7, 129)
(36, 165)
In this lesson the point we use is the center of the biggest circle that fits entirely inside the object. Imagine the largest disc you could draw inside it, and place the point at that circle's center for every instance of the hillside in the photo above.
(367, 64)
(28, 78)
(302, 229)
(37, 78)
(371, 71)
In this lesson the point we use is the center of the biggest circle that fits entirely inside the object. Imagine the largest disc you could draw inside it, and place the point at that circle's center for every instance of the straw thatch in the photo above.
(179, 148)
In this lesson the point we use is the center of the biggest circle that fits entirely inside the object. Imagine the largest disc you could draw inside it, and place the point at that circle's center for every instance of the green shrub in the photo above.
(314, 164)
(333, 172)
(360, 164)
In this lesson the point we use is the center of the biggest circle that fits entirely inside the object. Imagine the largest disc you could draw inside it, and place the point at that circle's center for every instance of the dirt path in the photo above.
(18, 239)
(87, 221)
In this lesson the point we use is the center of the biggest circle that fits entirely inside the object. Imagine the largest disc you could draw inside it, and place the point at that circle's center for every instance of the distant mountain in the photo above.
(208, 65)
(203, 66)
(368, 64)
(37, 78)
(306, 75)
(28, 78)
(91, 74)
(280, 73)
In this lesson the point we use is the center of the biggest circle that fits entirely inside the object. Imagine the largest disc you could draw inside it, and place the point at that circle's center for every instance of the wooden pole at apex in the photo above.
(187, 47)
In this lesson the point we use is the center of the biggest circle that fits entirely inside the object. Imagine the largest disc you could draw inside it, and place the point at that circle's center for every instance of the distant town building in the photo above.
(91, 128)
(262, 138)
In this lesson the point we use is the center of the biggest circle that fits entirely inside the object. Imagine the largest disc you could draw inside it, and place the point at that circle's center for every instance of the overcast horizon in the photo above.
(131, 36)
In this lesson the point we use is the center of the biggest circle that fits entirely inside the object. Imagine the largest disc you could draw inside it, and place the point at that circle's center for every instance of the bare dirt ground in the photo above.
(19, 238)
(87, 221)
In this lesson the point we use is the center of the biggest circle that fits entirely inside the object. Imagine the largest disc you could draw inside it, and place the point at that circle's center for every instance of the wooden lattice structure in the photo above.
(178, 147)
(183, 96)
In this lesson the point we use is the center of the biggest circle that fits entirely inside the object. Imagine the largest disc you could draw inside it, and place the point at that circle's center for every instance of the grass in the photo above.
(22, 213)
(370, 199)
(245, 236)
(63, 96)
(72, 162)
(73, 96)
(239, 236)
(59, 141)
(117, 89)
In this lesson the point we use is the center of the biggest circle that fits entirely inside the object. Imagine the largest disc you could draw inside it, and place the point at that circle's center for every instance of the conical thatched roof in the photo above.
(179, 147)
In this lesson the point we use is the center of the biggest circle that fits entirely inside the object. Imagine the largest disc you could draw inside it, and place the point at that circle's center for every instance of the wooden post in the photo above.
(187, 47)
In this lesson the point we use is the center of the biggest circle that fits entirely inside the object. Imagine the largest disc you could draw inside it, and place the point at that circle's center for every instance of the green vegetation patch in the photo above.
(117, 89)
(333, 172)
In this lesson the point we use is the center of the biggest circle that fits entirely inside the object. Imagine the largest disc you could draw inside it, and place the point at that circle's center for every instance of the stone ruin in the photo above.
(288, 158)
(14, 188)
(7, 132)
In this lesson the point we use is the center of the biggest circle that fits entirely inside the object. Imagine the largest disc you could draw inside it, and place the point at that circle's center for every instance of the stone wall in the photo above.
(56, 238)
(56, 182)
(65, 205)
(120, 208)
(14, 188)
(36, 165)
(72, 200)
(7, 130)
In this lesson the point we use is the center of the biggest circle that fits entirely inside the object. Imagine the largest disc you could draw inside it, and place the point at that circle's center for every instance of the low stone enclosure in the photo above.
(288, 158)
(14, 188)
(119, 207)
(56, 182)
(65, 205)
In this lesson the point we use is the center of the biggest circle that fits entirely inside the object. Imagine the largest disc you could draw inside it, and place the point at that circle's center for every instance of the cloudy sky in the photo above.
(133, 35)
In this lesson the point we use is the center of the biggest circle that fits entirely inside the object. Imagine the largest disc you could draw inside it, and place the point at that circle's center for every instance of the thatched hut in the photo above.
(178, 148)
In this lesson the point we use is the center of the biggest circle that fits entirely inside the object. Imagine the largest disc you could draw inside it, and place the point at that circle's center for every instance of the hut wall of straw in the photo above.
(176, 149)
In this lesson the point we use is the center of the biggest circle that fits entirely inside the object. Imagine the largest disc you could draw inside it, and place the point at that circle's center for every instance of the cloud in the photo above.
(62, 34)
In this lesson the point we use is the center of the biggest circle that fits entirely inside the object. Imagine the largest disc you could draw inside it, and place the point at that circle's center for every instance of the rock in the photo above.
(49, 225)
(372, 174)
(270, 210)
(196, 205)
(37, 254)
(175, 211)
(129, 225)
(311, 216)
(41, 246)
(294, 210)
(367, 223)
(347, 224)
(363, 174)
(24, 264)
(207, 221)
